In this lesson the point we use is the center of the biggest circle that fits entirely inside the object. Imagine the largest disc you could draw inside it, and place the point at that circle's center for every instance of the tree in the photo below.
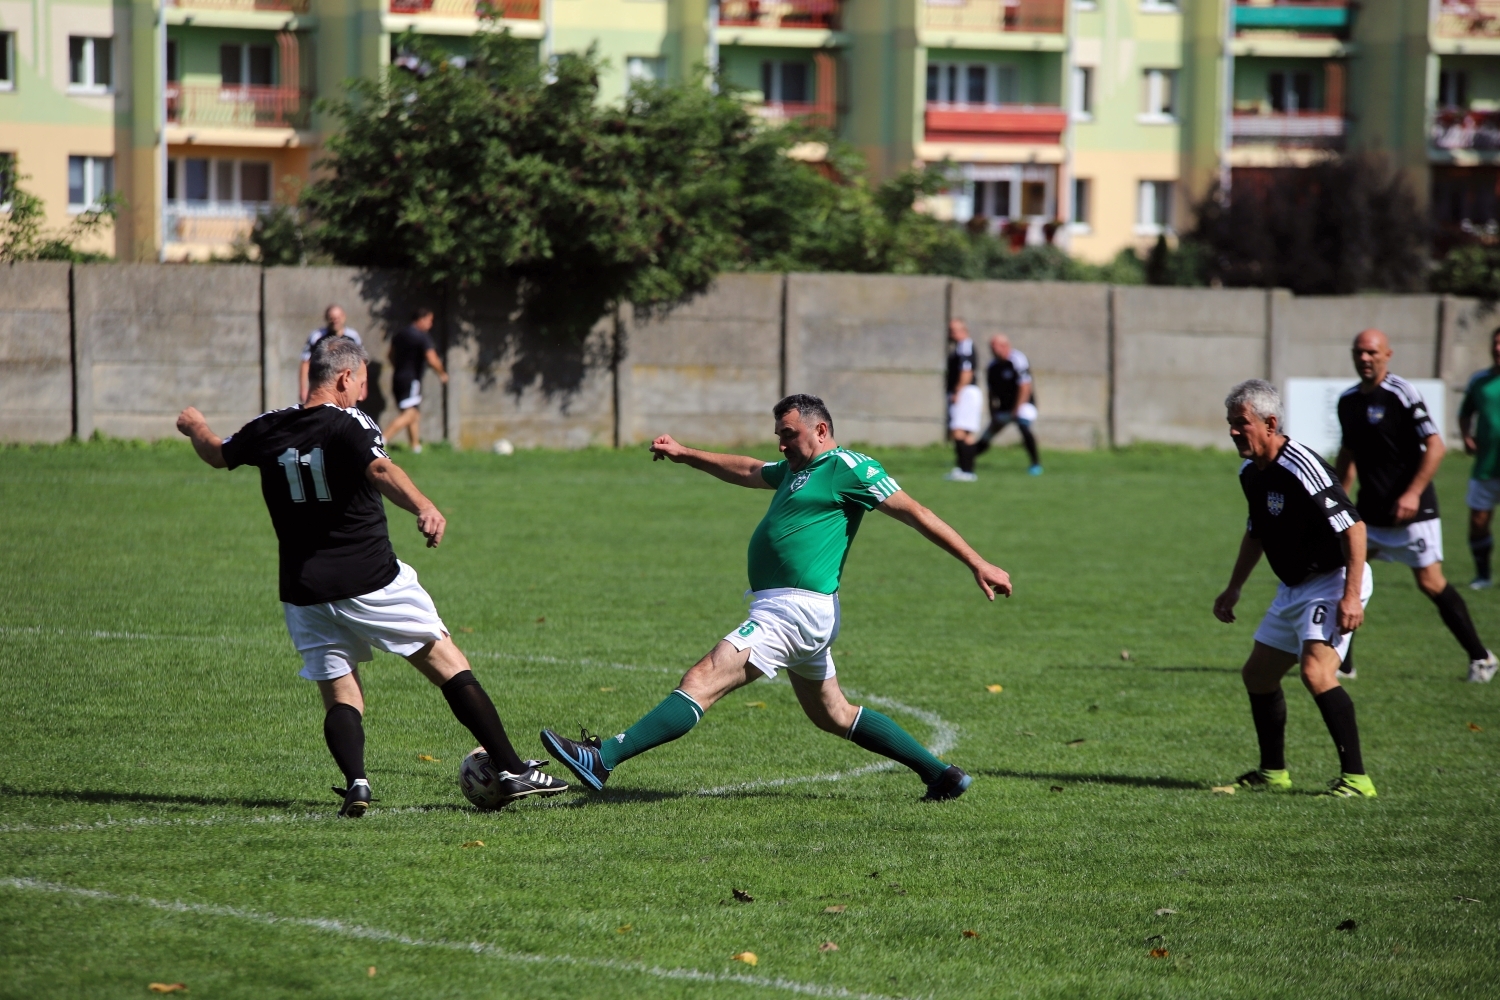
(24, 236)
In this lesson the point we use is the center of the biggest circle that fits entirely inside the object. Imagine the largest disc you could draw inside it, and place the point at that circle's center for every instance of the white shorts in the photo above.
(966, 413)
(1309, 612)
(1416, 545)
(1484, 494)
(413, 396)
(333, 638)
(790, 629)
(1025, 415)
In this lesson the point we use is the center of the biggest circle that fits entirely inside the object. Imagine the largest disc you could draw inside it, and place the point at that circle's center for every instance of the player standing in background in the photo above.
(1302, 521)
(1391, 443)
(1479, 422)
(965, 403)
(333, 326)
(411, 351)
(796, 559)
(323, 469)
(1012, 398)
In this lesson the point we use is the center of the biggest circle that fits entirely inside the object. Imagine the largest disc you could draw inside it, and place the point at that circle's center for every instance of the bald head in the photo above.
(1000, 346)
(1372, 357)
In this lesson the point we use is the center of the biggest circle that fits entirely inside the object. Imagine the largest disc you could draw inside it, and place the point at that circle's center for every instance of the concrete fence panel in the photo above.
(36, 367)
(872, 347)
(1177, 352)
(1312, 336)
(152, 339)
(709, 371)
(1063, 329)
(1467, 328)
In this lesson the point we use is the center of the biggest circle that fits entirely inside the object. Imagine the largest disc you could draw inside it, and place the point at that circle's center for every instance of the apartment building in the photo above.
(1092, 123)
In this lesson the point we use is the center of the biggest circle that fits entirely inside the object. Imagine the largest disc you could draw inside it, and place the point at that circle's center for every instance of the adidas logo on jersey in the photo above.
(871, 472)
(1330, 503)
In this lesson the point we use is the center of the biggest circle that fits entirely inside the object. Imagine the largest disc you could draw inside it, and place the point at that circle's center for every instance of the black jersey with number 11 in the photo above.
(329, 518)
(1297, 512)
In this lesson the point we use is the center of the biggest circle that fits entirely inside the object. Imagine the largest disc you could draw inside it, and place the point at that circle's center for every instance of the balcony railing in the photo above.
(1038, 16)
(240, 6)
(1307, 129)
(785, 111)
(1459, 128)
(1011, 123)
(516, 10)
(1316, 16)
(1468, 19)
(780, 14)
(213, 106)
(218, 225)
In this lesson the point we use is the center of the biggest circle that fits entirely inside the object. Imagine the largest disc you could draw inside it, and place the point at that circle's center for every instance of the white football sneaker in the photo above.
(1481, 583)
(1483, 671)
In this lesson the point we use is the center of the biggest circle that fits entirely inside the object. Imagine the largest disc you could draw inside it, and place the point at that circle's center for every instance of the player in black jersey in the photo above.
(1012, 397)
(323, 469)
(1302, 521)
(1392, 444)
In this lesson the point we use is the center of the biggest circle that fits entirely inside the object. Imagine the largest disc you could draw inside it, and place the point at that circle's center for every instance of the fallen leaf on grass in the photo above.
(372, 968)
(755, 704)
(971, 934)
(607, 690)
(828, 946)
(1223, 789)
(743, 896)
(1076, 743)
(462, 628)
(748, 957)
(1347, 925)
(1124, 654)
(1056, 788)
(168, 987)
(1026, 733)
(1465, 899)
(541, 619)
(429, 758)
(994, 688)
(1159, 953)
(840, 908)
(625, 928)
(1473, 728)
(1165, 911)
(473, 843)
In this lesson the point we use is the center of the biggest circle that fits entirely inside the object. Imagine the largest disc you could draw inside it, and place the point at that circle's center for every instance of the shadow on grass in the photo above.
(1131, 780)
(614, 797)
(100, 797)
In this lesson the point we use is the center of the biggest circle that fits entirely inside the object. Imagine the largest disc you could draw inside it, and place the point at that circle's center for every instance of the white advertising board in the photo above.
(1312, 409)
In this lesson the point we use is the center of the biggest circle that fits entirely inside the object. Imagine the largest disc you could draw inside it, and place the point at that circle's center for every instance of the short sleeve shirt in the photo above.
(1006, 376)
(409, 352)
(804, 538)
(1482, 404)
(329, 519)
(960, 360)
(1386, 430)
(1297, 512)
(323, 331)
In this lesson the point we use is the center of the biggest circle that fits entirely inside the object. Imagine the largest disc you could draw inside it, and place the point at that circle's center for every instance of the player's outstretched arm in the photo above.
(395, 484)
(741, 470)
(1250, 553)
(991, 578)
(208, 445)
(1351, 608)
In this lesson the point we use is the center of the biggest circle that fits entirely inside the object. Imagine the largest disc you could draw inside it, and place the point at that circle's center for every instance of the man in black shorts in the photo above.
(1012, 397)
(411, 352)
(1391, 443)
(323, 469)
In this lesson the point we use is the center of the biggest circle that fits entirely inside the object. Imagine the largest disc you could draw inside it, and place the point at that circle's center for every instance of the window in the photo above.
(1083, 94)
(173, 72)
(204, 184)
(90, 178)
(784, 82)
(7, 60)
(1159, 7)
(1290, 92)
(646, 68)
(1154, 212)
(88, 64)
(992, 199)
(970, 83)
(245, 64)
(1453, 89)
(1080, 208)
(7, 178)
(1159, 95)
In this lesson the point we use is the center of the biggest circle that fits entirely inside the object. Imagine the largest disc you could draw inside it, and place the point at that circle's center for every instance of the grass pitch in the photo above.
(164, 813)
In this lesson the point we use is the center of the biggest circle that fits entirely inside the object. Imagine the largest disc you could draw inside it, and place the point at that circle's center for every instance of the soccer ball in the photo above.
(504, 447)
(480, 781)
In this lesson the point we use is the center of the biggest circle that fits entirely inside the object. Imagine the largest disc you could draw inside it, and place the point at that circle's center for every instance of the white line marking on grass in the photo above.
(582, 661)
(85, 633)
(341, 929)
(147, 821)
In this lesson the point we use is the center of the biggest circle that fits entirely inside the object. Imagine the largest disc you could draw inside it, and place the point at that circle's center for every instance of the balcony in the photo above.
(1293, 15)
(995, 123)
(1042, 17)
(213, 106)
(511, 10)
(243, 6)
(822, 14)
(1311, 129)
(1468, 19)
(1463, 129)
(215, 225)
(809, 113)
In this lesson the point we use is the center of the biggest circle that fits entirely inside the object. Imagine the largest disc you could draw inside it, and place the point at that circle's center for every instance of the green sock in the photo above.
(880, 734)
(676, 714)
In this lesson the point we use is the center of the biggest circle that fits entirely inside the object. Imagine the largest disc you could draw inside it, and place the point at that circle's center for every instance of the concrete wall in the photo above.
(36, 368)
(1465, 349)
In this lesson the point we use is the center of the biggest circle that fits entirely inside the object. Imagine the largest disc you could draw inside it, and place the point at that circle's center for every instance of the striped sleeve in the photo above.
(866, 482)
(1318, 480)
(1411, 398)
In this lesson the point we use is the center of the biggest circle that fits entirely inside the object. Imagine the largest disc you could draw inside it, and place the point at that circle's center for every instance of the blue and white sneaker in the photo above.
(580, 756)
(950, 785)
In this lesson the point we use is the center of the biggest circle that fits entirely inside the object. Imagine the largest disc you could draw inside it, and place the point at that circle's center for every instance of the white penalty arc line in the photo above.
(340, 928)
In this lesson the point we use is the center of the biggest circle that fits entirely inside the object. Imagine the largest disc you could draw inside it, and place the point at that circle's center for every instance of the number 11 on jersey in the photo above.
(290, 460)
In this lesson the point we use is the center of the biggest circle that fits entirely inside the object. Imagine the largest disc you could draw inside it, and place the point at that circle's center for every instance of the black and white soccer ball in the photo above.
(480, 781)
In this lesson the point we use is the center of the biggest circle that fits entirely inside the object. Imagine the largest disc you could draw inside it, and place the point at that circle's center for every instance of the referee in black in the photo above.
(1302, 521)
(1394, 447)
(323, 470)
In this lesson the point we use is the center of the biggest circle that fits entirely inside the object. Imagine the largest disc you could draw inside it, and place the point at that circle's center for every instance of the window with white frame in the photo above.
(1082, 94)
(89, 69)
(1159, 95)
(90, 178)
(645, 68)
(1453, 89)
(1154, 208)
(1081, 207)
(1003, 192)
(7, 179)
(242, 65)
(7, 60)
(970, 83)
(208, 186)
(785, 81)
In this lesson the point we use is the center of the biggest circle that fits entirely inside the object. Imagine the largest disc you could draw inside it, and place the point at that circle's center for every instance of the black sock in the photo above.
(473, 708)
(1456, 616)
(1269, 713)
(1482, 547)
(1029, 439)
(344, 731)
(981, 446)
(965, 454)
(1338, 715)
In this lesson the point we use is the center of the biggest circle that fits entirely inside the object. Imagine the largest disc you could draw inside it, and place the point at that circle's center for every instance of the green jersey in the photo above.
(1482, 402)
(804, 538)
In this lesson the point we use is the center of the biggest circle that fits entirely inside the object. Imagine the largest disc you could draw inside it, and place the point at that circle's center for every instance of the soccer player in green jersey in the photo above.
(796, 558)
(1479, 421)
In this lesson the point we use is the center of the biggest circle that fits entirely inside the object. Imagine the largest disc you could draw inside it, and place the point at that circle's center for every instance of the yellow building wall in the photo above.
(42, 153)
(1115, 178)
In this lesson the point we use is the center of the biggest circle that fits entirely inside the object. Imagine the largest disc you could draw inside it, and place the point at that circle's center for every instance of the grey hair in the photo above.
(332, 355)
(1258, 394)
